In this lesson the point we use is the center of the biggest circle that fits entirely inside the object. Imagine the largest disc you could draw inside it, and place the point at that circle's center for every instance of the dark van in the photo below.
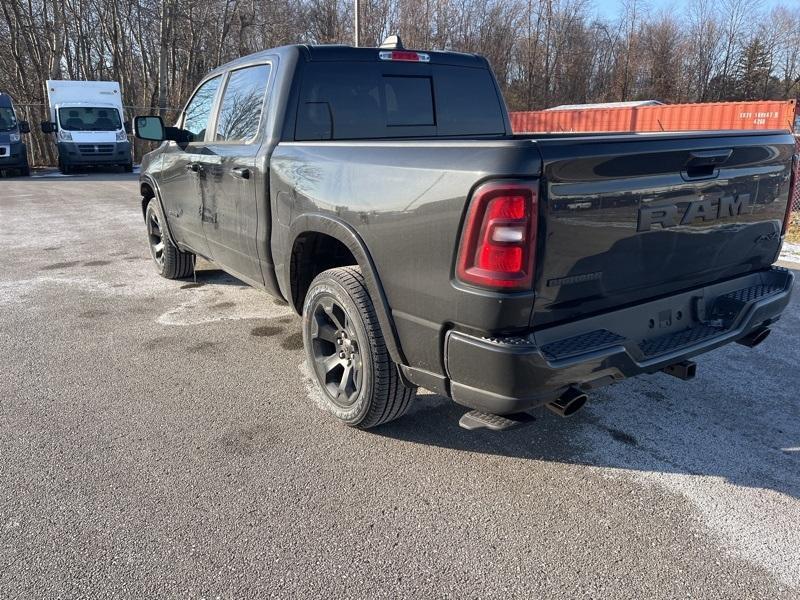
(13, 154)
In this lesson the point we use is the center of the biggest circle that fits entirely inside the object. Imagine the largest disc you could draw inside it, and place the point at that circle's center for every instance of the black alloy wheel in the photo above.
(336, 349)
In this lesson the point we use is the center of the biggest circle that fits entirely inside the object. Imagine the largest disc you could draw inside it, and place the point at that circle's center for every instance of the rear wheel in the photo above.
(128, 167)
(170, 261)
(346, 351)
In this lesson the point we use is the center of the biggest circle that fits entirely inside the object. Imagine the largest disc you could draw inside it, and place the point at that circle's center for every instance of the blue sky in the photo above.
(610, 8)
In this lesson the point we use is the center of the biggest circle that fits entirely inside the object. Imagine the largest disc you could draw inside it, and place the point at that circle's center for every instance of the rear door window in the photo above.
(198, 111)
(242, 104)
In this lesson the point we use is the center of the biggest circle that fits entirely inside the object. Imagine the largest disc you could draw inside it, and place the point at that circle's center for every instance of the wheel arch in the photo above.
(344, 234)
(149, 190)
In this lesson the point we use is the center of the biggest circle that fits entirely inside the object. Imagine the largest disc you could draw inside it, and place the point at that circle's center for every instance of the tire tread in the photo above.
(391, 398)
(177, 263)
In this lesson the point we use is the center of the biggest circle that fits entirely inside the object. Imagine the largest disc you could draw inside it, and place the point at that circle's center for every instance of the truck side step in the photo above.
(476, 419)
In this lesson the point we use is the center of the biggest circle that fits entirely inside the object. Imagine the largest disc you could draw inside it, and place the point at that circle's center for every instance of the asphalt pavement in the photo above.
(160, 439)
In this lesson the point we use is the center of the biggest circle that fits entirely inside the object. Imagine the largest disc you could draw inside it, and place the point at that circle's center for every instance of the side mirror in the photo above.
(24, 127)
(149, 128)
(128, 128)
(49, 127)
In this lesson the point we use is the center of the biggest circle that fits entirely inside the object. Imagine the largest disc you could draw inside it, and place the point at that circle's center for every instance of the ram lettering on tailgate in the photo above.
(705, 210)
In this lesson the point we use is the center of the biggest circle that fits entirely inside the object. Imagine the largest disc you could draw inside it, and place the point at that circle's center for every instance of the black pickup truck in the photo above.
(382, 193)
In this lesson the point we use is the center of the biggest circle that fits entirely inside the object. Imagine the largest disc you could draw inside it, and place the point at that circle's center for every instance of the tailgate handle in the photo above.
(704, 164)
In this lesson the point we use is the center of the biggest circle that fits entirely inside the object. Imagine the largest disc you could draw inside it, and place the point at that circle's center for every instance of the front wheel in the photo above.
(170, 261)
(346, 352)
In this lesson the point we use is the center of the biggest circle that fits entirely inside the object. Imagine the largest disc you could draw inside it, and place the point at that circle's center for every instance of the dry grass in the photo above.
(793, 235)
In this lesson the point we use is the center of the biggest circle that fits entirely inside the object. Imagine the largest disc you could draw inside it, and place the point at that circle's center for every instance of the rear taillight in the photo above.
(498, 244)
(793, 191)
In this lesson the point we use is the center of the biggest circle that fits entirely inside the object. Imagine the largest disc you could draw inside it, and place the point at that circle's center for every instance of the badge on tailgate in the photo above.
(670, 215)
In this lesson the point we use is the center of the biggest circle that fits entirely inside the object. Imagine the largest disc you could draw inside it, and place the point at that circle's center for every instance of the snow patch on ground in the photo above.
(17, 292)
(737, 481)
(238, 303)
(315, 394)
(791, 252)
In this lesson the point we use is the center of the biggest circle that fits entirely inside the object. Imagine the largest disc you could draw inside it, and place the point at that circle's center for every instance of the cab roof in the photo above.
(5, 101)
(340, 52)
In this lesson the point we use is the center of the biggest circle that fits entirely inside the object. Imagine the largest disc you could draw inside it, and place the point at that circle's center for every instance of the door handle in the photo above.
(194, 167)
(241, 172)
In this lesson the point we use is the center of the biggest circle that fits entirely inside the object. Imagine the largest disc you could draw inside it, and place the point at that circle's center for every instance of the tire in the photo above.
(64, 168)
(341, 330)
(170, 261)
(128, 167)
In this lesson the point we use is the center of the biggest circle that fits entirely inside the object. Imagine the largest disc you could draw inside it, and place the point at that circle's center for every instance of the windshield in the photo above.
(7, 119)
(89, 118)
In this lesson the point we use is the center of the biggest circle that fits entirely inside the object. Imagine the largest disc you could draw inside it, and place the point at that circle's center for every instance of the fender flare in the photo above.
(344, 233)
(150, 182)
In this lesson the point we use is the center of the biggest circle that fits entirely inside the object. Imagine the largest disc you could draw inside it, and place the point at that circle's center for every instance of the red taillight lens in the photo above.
(793, 191)
(498, 245)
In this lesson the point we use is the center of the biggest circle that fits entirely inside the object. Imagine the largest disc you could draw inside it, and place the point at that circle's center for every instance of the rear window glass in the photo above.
(409, 101)
(363, 100)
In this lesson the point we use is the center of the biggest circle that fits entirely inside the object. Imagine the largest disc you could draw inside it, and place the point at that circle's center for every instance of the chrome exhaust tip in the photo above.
(754, 338)
(568, 403)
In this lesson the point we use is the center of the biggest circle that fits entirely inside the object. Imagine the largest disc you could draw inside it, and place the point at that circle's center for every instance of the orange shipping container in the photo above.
(767, 114)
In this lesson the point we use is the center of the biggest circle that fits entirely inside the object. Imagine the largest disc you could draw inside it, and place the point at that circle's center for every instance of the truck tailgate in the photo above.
(632, 217)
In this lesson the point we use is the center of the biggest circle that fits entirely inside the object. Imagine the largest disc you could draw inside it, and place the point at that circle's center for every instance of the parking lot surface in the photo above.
(160, 439)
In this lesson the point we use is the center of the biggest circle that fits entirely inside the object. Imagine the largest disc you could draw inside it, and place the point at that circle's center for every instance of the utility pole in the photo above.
(356, 10)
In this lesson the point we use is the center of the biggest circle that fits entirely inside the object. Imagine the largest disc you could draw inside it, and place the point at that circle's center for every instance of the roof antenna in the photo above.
(393, 42)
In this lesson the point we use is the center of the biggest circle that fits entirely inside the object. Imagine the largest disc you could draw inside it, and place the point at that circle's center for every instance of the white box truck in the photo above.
(88, 123)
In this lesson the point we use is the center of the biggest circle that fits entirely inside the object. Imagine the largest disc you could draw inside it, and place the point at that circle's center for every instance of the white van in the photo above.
(89, 124)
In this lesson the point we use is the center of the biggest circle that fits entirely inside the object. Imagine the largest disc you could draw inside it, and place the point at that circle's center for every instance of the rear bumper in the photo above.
(109, 153)
(505, 375)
